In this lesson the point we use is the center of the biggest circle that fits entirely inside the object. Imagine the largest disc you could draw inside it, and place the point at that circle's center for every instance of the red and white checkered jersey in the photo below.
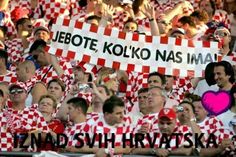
(47, 73)
(51, 9)
(77, 12)
(6, 21)
(92, 115)
(175, 142)
(32, 117)
(209, 125)
(71, 132)
(10, 77)
(151, 119)
(15, 50)
(6, 139)
(221, 16)
(119, 18)
(19, 3)
(135, 82)
(180, 87)
(100, 126)
(219, 135)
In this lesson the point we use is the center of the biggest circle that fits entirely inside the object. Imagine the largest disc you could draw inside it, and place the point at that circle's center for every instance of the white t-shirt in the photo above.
(202, 87)
(226, 117)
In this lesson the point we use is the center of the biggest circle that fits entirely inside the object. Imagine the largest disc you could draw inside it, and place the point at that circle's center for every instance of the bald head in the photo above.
(25, 70)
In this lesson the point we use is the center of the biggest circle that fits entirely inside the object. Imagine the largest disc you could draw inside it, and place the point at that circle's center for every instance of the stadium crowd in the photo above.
(44, 94)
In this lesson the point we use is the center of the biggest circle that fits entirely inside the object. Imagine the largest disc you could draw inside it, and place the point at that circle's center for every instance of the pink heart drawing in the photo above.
(216, 102)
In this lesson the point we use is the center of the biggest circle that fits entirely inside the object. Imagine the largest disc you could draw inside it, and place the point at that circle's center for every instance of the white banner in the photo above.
(131, 52)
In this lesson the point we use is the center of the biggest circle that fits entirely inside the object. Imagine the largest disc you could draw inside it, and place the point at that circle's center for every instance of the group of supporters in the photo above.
(104, 111)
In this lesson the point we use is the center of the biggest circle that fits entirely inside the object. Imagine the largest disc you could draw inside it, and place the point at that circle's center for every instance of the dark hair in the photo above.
(111, 103)
(21, 22)
(4, 30)
(57, 80)
(142, 90)
(105, 88)
(1, 93)
(37, 43)
(163, 79)
(4, 55)
(209, 73)
(136, 4)
(201, 15)
(79, 102)
(232, 92)
(93, 17)
(131, 20)
(228, 68)
(187, 102)
(82, 3)
(187, 20)
(195, 98)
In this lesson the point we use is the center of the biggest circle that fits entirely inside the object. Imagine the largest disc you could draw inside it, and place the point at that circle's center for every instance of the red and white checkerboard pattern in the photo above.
(151, 119)
(8, 23)
(209, 125)
(92, 115)
(6, 138)
(222, 16)
(77, 12)
(51, 73)
(135, 82)
(52, 9)
(180, 87)
(87, 96)
(15, 50)
(71, 132)
(89, 68)
(10, 77)
(220, 134)
(32, 117)
(19, 3)
(119, 18)
(100, 126)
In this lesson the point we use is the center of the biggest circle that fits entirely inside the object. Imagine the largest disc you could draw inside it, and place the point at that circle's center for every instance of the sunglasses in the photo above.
(35, 57)
(16, 91)
(221, 34)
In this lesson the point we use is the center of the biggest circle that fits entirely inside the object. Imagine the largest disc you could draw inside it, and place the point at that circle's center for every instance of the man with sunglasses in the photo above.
(22, 119)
